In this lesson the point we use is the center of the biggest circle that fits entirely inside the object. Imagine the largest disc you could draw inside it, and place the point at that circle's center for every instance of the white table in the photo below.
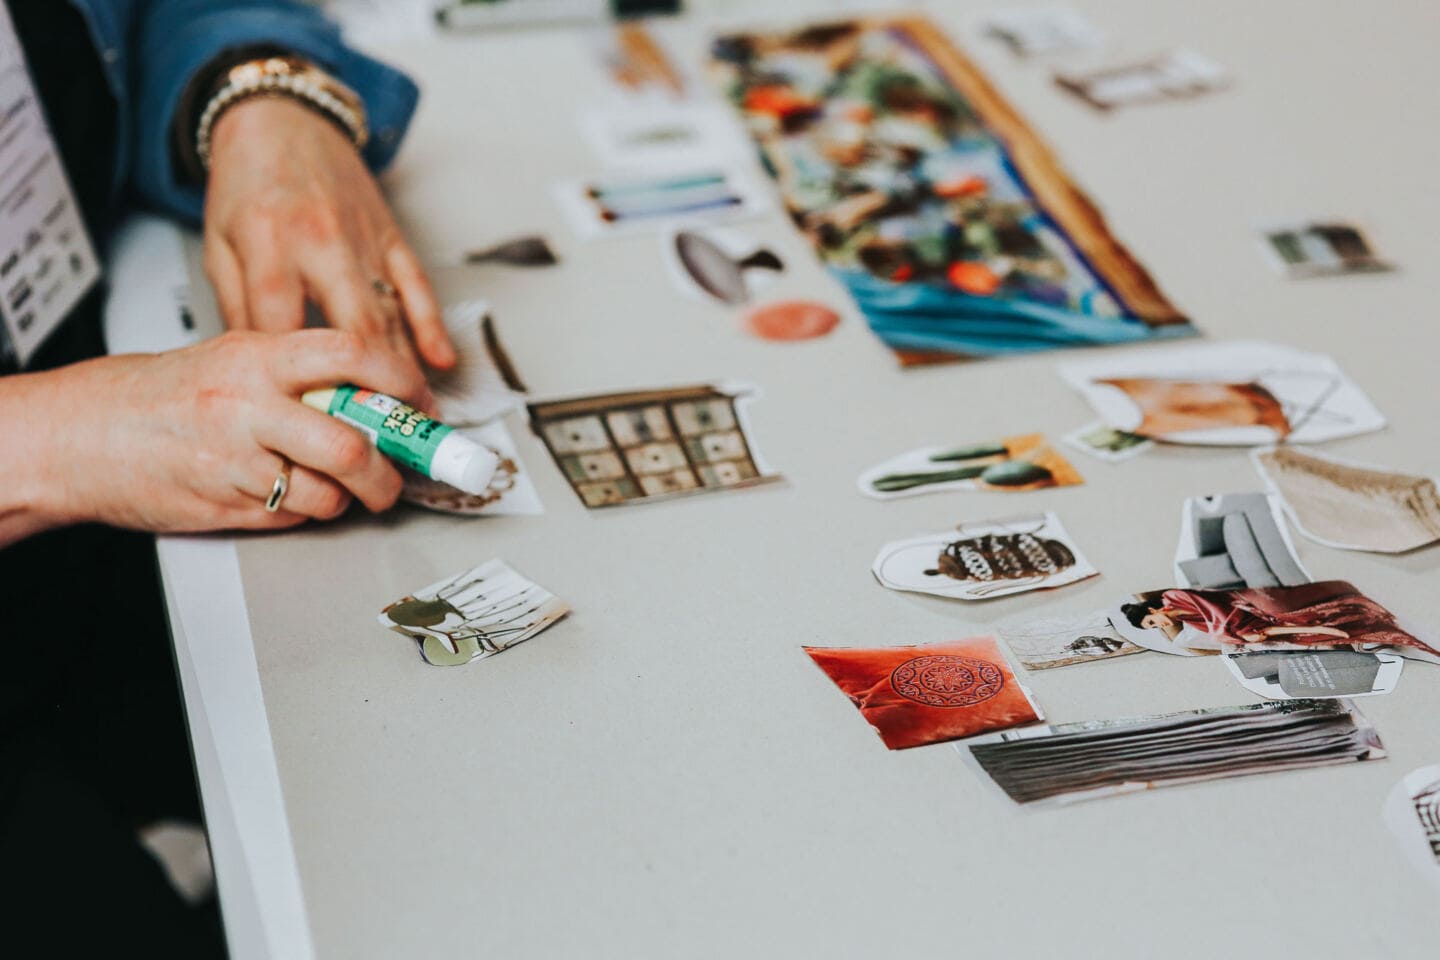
(665, 773)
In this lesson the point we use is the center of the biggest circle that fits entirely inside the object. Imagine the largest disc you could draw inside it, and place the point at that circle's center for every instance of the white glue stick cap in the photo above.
(463, 463)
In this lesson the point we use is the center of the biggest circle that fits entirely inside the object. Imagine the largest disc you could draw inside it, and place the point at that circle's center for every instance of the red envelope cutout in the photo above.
(928, 694)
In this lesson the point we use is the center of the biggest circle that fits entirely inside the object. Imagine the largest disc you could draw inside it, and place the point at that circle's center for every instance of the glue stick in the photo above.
(410, 437)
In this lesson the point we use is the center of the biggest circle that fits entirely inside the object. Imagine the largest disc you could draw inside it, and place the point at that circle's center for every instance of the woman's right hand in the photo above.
(192, 440)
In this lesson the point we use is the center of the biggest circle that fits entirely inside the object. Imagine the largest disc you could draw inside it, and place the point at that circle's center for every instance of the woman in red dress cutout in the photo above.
(1328, 614)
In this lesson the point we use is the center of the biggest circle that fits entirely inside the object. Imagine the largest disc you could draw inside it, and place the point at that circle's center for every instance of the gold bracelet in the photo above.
(291, 77)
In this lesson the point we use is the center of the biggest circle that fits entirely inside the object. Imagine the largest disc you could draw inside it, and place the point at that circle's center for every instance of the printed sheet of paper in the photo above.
(1176, 75)
(1063, 640)
(474, 614)
(482, 385)
(717, 265)
(1233, 393)
(1025, 462)
(47, 262)
(1326, 615)
(1040, 31)
(627, 203)
(1147, 620)
(980, 561)
(511, 491)
(1235, 541)
(917, 695)
(1081, 761)
(624, 448)
(635, 60)
(1293, 675)
(1352, 506)
(1412, 813)
(1106, 443)
(663, 135)
(1320, 249)
(879, 181)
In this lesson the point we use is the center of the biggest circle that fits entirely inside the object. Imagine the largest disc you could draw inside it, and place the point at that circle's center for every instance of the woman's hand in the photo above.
(192, 440)
(292, 214)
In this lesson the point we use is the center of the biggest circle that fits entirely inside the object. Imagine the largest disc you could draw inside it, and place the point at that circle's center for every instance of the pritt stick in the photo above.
(410, 437)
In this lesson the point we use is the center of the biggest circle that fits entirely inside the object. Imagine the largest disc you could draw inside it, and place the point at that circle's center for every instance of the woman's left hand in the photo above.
(292, 214)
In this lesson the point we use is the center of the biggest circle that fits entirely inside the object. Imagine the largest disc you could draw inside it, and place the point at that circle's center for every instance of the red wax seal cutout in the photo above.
(916, 695)
(792, 320)
(947, 681)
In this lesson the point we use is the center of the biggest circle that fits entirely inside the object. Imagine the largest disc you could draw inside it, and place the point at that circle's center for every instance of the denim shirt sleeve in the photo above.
(172, 40)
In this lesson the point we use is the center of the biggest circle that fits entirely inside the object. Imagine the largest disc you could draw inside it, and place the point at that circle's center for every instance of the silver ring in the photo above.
(279, 488)
(383, 287)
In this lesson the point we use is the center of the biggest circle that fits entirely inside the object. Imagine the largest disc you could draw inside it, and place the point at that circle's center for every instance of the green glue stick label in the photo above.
(401, 432)
(410, 437)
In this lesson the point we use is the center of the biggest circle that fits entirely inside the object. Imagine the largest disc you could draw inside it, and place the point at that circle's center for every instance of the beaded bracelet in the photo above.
(285, 77)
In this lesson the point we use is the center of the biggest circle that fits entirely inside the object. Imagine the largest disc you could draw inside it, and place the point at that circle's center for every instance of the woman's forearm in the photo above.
(33, 467)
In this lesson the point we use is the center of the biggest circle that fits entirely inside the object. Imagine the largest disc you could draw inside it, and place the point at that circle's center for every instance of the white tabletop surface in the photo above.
(665, 773)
